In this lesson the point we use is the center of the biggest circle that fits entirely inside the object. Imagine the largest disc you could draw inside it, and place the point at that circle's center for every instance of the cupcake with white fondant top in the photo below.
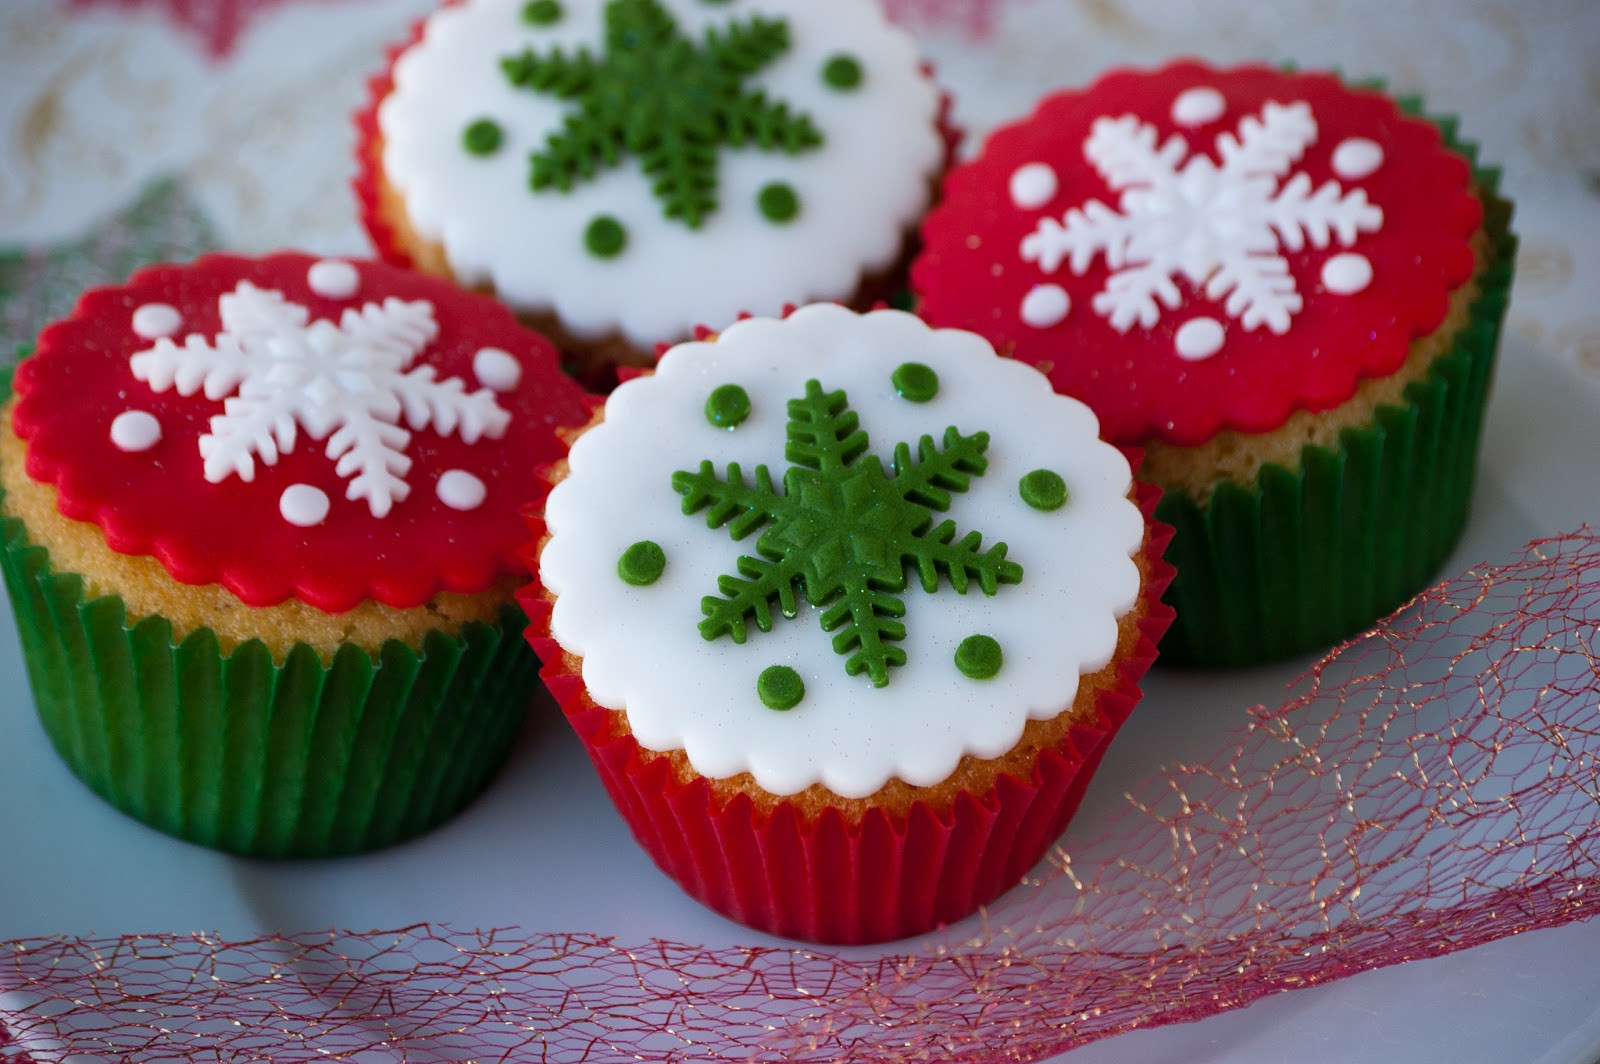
(622, 171)
(1285, 289)
(260, 523)
(846, 610)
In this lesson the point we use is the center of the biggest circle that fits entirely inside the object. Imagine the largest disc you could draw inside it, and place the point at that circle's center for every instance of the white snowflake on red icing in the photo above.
(1222, 227)
(345, 382)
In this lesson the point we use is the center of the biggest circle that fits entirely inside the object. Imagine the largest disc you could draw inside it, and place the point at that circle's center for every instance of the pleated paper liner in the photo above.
(826, 879)
(1301, 560)
(242, 753)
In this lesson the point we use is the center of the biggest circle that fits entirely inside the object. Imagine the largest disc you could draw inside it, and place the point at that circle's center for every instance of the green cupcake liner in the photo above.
(1303, 559)
(241, 753)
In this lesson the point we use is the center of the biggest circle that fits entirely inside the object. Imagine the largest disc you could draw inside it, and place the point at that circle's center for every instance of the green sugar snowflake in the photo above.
(843, 531)
(664, 98)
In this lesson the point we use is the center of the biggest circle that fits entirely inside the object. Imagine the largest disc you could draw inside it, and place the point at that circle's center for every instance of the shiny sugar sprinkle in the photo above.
(135, 430)
(727, 406)
(1347, 274)
(1356, 158)
(1199, 338)
(979, 657)
(1033, 185)
(460, 490)
(156, 320)
(1043, 489)
(780, 687)
(333, 279)
(1197, 106)
(642, 563)
(303, 505)
(496, 370)
(1045, 305)
(915, 381)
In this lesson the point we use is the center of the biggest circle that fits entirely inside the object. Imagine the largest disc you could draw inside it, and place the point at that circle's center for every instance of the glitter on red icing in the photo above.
(972, 274)
(158, 502)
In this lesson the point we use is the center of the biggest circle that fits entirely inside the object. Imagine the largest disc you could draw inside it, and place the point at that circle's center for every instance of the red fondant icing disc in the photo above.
(392, 354)
(1196, 249)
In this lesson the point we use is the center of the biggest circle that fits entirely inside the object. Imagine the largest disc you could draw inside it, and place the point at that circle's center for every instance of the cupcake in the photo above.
(260, 524)
(1287, 290)
(846, 611)
(621, 171)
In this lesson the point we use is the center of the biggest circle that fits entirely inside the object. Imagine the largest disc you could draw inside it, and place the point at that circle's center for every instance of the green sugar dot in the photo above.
(778, 202)
(978, 657)
(605, 238)
(916, 382)
(641, 564)
(541, 12)
(1043, 489)
(842, 72)
(727, 406)
(482, 137)
(780, 687)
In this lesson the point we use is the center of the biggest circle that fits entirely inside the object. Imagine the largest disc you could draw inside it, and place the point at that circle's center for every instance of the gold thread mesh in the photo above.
(1430, 786)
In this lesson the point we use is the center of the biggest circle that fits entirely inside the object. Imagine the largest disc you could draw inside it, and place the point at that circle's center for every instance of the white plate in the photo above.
(544, 851)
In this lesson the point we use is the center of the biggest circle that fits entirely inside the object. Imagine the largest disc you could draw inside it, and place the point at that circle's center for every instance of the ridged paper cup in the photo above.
(1302, 559)
(823, 878)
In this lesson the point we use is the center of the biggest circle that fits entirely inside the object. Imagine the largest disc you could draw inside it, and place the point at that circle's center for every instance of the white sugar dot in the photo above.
(1356, 158)
(1345, 275)
(333, 279)
(1197, 106)
(460, 490)
(303, 505)
(155, 320)
(1033, 186)
(1045, 305)
(135, 430)
(1199, 338)
(496, 369)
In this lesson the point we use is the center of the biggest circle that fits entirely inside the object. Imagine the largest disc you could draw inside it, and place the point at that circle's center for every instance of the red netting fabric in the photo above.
(1431, 786)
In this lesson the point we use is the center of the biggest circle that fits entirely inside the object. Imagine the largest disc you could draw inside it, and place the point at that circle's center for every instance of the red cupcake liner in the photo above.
(889, 876)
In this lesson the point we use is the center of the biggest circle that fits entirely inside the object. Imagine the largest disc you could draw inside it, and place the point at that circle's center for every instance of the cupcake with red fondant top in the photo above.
(1285, 288)
(846, 610)
(261, 529)
(621, 171)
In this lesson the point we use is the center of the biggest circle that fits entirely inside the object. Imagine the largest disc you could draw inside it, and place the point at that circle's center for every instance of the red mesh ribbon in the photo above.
(1432, 786)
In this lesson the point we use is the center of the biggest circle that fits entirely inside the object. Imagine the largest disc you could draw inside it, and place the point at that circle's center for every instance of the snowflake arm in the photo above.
(741, 507)
(218, 369)
(374, 451)
(1136, 294)
(869, 618)
(586, 141)
(934, 474)
(561, 75)
(1260, 291)
(1297, 214)
(745, 47)
(684, 172)
(741, 598)
(937, 552)
(750, 118)
(1270, 144)
(1081, 234)
(246, 312)
(1125, 152)
(255, 422)
(446, 406)
(824, 434)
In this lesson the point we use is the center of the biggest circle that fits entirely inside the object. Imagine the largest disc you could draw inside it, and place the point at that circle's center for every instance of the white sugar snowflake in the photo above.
(345, 382)
(1222, 227)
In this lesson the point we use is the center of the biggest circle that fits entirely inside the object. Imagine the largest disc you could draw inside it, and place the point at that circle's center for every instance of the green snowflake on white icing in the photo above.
(842, 532)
